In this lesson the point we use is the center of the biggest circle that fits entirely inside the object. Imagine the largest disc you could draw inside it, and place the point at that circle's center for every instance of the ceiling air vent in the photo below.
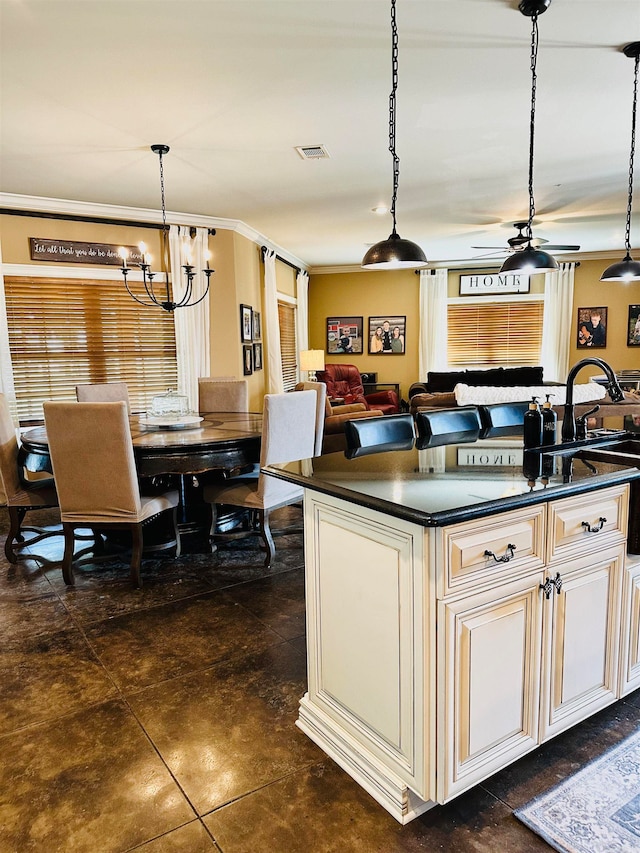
(312, 152)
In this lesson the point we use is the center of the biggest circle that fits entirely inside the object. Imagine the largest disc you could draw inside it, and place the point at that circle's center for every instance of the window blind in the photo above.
(499, 333)
(288, 349)
(68, 332)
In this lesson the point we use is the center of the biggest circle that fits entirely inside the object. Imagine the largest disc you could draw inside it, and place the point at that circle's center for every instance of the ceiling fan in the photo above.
(517, 243)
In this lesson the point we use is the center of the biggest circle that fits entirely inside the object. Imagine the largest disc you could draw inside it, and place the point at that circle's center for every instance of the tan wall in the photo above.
(237, 278)
(365, 294)
(616, 297)
(377, 293)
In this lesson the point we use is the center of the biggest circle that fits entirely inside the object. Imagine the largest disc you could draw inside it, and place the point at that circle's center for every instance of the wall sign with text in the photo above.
(75, 252)
(483, 284)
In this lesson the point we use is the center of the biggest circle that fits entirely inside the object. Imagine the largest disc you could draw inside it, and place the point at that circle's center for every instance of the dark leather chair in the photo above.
(344, 381)
(502, 419)
(447, 426)
(378, 435)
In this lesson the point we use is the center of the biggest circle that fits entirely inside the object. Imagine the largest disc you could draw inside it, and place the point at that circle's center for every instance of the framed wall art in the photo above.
(257, 356)
(633, 329)
(344, 335)
(246, 323)
(592, 328)
(257, 326)
(387, 335)
(247, 359)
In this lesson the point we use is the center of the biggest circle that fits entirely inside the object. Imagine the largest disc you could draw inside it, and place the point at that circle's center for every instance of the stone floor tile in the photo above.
(176, 638)
(191, 838)
(278, 601)
(227, 730)
(85, 783)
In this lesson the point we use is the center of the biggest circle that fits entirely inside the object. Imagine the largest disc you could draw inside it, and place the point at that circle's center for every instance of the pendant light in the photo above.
(394, 252)
(628, 269)
(530, 259)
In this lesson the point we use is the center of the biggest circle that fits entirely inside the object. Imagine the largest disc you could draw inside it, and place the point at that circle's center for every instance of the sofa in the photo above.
(344, 382)
(438, 390)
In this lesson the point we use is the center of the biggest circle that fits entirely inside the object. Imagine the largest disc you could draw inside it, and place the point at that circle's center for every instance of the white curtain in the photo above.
(432, 354)
(6, 368)
(275, 384)
(193, 345)
(302, 313)
(558, 322)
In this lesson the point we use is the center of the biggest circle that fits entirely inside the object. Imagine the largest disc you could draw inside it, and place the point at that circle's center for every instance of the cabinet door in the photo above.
(488, 682)
(580, 640)
(630, 636)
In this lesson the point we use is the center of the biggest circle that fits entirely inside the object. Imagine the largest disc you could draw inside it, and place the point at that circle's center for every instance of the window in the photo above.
(490, 333)
(68, 332)
(288, 349)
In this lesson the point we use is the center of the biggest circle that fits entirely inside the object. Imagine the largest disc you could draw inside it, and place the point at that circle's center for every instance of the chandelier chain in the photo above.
(392, 111)
(532, 121)
(164, 214)
(627, 235)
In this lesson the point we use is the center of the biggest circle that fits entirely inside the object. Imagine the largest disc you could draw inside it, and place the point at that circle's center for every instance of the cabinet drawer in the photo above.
(477, 553)
(584, 523)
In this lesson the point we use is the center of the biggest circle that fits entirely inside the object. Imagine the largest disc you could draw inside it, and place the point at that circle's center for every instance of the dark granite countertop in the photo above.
(460, 482)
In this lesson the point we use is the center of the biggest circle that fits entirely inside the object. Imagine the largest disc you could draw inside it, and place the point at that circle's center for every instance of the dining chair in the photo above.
(20, 496)
(379, 435)
(104, 392)
(96, 437)
(288, 435)
(223, 395)
(320, 390)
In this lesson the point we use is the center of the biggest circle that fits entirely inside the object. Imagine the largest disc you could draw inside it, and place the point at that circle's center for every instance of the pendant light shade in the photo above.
(394, 252)
(628, 269)
(531, 260)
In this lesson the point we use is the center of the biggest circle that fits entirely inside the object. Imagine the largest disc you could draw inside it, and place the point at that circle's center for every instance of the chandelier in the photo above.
(164, 299)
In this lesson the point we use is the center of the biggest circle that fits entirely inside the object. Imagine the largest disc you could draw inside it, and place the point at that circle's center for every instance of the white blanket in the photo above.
(476, 395)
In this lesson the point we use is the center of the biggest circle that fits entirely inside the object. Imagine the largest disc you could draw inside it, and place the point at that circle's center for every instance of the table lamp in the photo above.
(312, 360)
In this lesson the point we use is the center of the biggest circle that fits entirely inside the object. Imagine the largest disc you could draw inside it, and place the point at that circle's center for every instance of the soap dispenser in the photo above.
(549, 422)
(533, 425)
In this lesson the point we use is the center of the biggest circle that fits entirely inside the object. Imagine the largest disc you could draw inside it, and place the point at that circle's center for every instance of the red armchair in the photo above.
(344, 382)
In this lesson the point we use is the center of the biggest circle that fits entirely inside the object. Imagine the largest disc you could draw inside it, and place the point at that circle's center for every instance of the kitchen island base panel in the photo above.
(420, 689)
(383, 785)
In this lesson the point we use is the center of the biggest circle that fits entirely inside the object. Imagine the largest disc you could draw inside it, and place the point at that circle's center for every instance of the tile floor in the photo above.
(162, 719)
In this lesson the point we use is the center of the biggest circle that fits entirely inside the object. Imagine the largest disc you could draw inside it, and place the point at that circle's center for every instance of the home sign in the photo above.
(483, 284)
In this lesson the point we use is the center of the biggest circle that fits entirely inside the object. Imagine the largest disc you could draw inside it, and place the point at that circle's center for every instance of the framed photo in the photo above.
(387, 335)
(592, 328)
(257, 327)
(246, 323)
(344, 335)
(247, 359)
(633, 329)
(257, 356)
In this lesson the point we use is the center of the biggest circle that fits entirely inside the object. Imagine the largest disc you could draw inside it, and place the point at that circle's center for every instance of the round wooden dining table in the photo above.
(225, 444)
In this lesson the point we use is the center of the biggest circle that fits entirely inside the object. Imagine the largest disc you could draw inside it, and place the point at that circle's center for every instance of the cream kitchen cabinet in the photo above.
(439, 655)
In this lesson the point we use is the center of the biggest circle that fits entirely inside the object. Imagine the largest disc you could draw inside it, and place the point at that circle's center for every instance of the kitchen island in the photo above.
(458, 618)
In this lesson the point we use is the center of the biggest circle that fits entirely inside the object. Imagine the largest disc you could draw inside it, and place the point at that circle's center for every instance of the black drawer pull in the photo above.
(549, 584)
(590, 529)
(508, 555)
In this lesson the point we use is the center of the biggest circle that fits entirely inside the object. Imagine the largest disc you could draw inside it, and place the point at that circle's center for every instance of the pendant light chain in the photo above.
(532, 122)
(392, 112)
(627, 235)
(164, 214)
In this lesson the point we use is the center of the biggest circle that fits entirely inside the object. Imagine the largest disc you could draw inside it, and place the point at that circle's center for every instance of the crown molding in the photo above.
(38, 204)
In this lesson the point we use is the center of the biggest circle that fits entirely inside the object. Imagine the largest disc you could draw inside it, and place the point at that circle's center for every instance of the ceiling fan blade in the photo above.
(554, 248)
(497, 254)
(495, 248)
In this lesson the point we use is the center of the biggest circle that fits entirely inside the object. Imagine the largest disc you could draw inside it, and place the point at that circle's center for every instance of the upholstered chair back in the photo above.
(104, 392)
(223, 395)
(343, 380)
(288, 435)
(323, 408)
(93, 462)
(9, 479)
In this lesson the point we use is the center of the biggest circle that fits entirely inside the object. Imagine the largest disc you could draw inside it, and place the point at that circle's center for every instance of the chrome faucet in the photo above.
(614, 389)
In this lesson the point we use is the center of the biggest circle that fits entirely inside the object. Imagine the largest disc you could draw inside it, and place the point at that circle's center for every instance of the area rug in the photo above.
(597, 810)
